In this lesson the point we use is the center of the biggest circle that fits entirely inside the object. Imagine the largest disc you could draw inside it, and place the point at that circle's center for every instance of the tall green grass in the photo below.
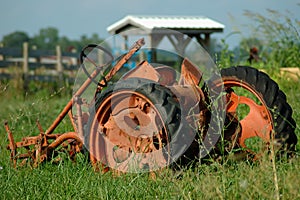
(77, 180)
(280, 36)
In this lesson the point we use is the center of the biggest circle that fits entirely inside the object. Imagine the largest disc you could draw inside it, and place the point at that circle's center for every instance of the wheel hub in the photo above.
(133, 132)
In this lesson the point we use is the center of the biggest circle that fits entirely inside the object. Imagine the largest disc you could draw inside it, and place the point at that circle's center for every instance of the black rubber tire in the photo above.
(274, 99)
(165, 103)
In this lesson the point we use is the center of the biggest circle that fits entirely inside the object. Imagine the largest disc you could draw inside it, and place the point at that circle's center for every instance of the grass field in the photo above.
(68, 180)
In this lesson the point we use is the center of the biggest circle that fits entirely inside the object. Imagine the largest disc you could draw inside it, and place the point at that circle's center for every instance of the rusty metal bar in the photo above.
(12, 144)
(39, 126)
(79, 116)
(68, 107)
(72, 120)
(124, 59)
(64, 137)
(60, 117)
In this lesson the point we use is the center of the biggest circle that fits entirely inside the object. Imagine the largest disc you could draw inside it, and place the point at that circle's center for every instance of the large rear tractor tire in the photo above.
(131, 126)
(261, 108)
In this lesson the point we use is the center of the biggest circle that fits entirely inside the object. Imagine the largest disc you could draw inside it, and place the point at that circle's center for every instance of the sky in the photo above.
(74, 18)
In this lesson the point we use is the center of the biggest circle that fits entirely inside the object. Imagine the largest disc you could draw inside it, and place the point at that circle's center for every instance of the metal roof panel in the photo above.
(171, 22)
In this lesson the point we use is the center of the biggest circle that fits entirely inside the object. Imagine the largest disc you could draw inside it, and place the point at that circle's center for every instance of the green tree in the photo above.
(66, 44)
(15, 39)
(47, 38)
(85, 40)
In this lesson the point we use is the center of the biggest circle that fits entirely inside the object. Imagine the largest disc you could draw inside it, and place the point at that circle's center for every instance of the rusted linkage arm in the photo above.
(12, 145)
(41, 147)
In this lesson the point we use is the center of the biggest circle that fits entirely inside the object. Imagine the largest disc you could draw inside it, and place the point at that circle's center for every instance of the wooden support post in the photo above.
(205, 42)
(154, 39)
(125, 45)
(25, 66)
(59, 66)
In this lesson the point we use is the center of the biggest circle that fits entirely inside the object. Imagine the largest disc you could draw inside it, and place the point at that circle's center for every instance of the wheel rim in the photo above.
(257, 123)
(128, 133)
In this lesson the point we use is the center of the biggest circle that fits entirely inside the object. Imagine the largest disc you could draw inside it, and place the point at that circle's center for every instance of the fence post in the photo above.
(59, 66)
(25, 66)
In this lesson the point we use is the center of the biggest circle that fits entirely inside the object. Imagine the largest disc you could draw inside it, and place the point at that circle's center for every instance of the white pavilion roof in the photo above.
(168, 22)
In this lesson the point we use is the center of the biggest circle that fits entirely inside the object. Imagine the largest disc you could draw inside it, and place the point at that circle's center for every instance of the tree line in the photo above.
(48, 38)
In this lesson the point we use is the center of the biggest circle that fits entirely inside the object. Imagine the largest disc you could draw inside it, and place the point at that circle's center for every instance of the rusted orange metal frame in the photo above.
(114, 70)
(42, 147)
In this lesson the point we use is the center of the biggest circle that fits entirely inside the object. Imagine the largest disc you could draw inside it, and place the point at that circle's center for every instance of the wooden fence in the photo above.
(56, 66)
(38, 65)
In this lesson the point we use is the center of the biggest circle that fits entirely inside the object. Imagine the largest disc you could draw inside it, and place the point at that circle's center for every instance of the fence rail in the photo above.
(38, 65)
